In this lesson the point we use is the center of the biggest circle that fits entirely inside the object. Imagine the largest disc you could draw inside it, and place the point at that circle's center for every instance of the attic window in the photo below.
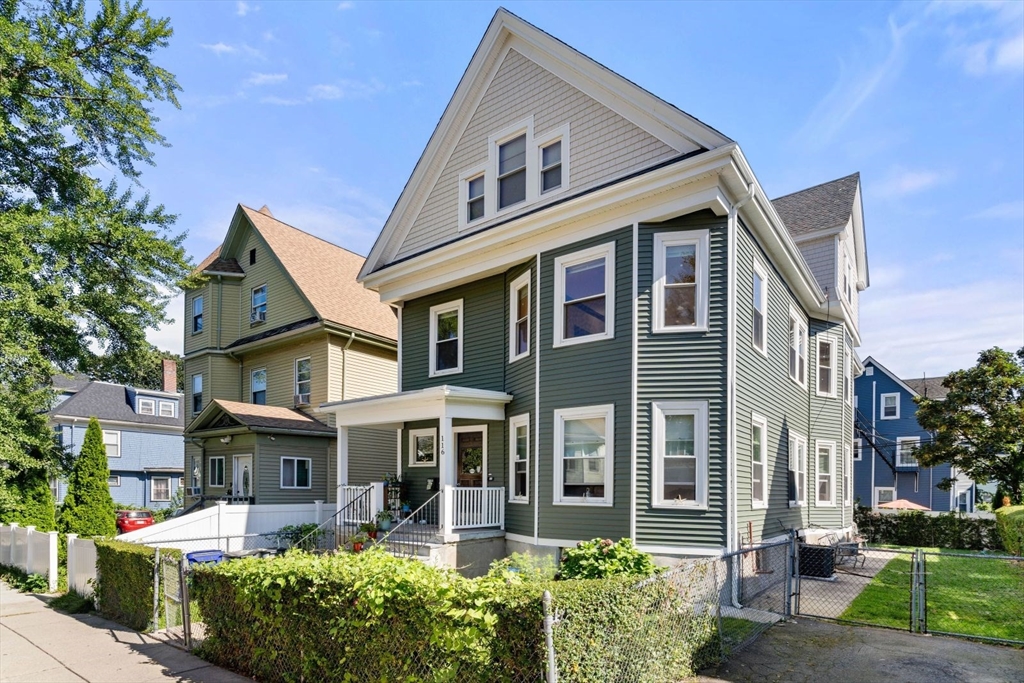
(512, 172)
(252, 256)
(551, 167)
(475, 198)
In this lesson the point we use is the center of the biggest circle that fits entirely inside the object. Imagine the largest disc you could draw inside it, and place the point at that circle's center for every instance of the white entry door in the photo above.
(242, 481)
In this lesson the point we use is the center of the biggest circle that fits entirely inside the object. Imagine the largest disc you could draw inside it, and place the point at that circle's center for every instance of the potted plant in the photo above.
(358, 541)
(384, 518)
(368, 529)
(406, 508)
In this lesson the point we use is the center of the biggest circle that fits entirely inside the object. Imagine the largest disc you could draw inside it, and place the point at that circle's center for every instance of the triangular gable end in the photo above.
(213, 416)
(513, 47)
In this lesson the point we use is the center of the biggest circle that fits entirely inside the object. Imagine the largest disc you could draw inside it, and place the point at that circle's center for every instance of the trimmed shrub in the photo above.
(912, 528)
(124, 582)
(88, 509)
(601, 558)
(37, 509)
(1010, 523)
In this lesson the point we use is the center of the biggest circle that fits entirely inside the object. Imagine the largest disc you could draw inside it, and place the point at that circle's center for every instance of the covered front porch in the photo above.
(449, 457)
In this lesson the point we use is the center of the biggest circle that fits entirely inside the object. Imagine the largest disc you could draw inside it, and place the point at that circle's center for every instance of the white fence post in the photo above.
(221, 506)
(71, 561)
(6, 542)
(52, 564)
(30, 531)
(376, 499)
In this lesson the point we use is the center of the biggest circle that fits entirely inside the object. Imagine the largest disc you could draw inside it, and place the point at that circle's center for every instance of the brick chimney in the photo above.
(170, 375)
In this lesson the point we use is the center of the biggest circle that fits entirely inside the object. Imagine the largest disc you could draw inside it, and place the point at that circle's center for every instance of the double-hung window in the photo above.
(259, 386)
(197, 314)
(167, 409)
(147, 406)
(421, 447)
(890, 406)
(114, 480)
(512, 172)
(160, 489)
(474, 198)
(519, 451)
(258, 313)
(758, 461)
(680, 300)
(197, 394)
(551, 167)
(584, 455)
(826, 487)
(303, 380)
(585, 296)
(216, 478)
(905, 447)
(112, 443)
(826, 367)
(760, 309)
(296, 473)
(519, 317)
(446, 338)
(847, 476)
(797, 350)
(858, 451)
(797, 470)
(680, 454)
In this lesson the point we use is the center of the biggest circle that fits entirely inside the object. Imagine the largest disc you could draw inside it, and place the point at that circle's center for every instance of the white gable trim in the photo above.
(891, 376)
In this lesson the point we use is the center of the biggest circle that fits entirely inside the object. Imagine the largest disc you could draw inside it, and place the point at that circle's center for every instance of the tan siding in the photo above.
(223, 379)
(336, 369)
(268, 467)
(230, 327)
(371, 371)
(602, 144)
(280, 365)
(195, 366)
(195, 342)
(284, 303)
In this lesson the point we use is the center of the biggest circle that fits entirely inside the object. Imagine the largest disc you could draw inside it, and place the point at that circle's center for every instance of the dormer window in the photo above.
(146, 406)
(512, 172)
(551, 167)
(166, 409)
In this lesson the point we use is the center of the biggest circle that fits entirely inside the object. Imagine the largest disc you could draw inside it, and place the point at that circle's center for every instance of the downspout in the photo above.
(732, 517)
(201, 443)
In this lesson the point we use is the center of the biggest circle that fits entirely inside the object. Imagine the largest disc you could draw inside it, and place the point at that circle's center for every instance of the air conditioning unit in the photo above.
(258, 316)
(193, 490)
(301, 400)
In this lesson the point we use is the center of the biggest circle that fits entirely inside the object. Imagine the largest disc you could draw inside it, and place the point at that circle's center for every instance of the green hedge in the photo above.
(1010, 523)
(124, 585)
(912, 528)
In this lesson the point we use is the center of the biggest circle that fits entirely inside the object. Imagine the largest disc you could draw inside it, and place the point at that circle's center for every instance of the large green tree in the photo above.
(88, 509)
(86, 267)
(979, 426)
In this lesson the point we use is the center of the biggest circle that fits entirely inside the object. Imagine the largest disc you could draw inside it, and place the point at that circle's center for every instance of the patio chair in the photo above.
(845, 551)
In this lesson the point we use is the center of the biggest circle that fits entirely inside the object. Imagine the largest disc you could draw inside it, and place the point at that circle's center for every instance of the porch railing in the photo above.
(474, 508)
(416, 531)
(334, 532)
(357, 504)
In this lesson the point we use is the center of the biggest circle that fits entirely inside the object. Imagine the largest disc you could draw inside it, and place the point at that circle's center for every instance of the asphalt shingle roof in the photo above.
(273, 417)
(106, 401)
(929, 387)
(820, 207)
(224, 265)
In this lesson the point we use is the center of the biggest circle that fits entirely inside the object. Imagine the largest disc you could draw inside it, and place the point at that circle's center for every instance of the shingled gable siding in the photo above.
(683, 366)
(602, 144)
(587, 374)
(520, 381)
(284, 302)
(268, 466)
(820, 255)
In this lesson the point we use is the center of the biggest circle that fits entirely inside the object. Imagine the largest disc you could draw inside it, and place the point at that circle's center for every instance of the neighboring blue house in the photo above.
(884, 466)
(142, 430)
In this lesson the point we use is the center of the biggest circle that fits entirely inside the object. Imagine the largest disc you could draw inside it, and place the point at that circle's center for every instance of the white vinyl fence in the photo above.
(81, 565)
(33, 552)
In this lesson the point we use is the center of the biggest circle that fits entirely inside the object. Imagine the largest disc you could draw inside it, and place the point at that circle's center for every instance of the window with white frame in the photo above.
(512, 171)
(847, 476)
(551, 166)
(890, 406)
(826, 367)
(905, 447)
(759, 306)
(146, 406)
(519, 318)
(216, 474)
(797, 350)
(519, 456)
(112, 443)
(797, 470)
(680, 292)
(160, 489)
(296, 473)
(884, 494)
(303, 380)
(258, 388)
(474, 188)
(758, 461)
(446, 327)
(825, 491)
(858, 450)
(584, 455)
(197, 314)
(114, 480)
(167, 408)
(585, 295)
(422, 447)
(54, 488)
(848, 374)
(680, 438)
(197, 394)
(259, 304)
(181, 482)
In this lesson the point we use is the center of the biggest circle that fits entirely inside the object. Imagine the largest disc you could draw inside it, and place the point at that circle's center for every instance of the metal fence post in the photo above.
(549, 639)
(186, 607)
(787, 608)
(923, 601)
(156, 590)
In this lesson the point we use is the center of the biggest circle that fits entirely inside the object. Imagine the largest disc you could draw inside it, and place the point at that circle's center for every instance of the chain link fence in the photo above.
(757, 592)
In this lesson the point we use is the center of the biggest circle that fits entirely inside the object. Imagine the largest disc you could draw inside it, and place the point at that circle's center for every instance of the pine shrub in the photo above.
(88, 509)
(37, 509)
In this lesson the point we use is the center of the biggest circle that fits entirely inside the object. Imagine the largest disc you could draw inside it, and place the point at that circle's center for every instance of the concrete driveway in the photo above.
(809, 651)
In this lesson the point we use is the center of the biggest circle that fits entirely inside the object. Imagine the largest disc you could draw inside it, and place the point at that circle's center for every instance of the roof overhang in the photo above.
(423, 404)
(140, 426)
(218, 273)
(215, 409)
(903, 385)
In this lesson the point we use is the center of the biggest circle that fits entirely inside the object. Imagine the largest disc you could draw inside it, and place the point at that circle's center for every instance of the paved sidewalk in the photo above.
(41, 644)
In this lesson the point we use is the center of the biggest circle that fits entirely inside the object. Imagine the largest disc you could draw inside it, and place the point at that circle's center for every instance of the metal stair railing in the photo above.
(334, 532)
(416, 531)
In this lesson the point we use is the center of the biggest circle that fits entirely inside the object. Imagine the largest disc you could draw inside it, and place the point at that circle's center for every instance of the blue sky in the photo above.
(320, 110)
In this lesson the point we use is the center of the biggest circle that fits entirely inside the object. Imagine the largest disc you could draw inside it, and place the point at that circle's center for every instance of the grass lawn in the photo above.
(973, 596)
(736, 631)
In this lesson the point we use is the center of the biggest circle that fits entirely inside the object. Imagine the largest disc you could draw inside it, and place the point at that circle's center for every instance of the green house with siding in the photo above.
(606, 329)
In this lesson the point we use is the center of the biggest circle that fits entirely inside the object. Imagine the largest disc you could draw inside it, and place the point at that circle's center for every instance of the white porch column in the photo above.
(341, 466)
(447, 471)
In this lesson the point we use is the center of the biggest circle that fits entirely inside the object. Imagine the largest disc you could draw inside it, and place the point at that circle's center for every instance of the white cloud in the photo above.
(342, 6)
(1005, 211)
(171, 337)
(347, 89)
(982, 37)
(220, 48)
(282, 101)
(265, 79)
(243, 8)
(901, 181)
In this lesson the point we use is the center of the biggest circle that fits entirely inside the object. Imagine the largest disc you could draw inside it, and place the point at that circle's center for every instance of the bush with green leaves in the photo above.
(912, 528)
(37, 507)
(524, 567)
(20, 580)
(124, 582)
(304, 536)
(601, 558)
(88, 509)
(1010, 523)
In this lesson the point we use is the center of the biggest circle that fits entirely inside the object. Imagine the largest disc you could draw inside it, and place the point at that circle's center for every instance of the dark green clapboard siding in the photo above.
(683, 366)
(372, 454)
(827, 422)
(415, 478)
(268, 469)
(587, 374)
(520, 380)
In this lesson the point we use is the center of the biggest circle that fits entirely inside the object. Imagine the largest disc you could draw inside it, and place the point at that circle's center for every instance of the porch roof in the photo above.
(420, 404)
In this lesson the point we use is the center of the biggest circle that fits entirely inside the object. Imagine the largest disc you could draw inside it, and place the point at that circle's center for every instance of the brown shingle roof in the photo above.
(272, 417)
(326, 274)
(208, 260)
(929, 387)
(820, 207)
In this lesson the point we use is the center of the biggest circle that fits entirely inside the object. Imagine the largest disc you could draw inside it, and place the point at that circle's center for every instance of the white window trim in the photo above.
(798, 440)
(663, 240)
(514, 423)
(874, 503)
(295, 372)
(603, 411)
(139, 402)
(117, 435)
(202, 314)
(699, 409)
(881, 408)
(252, 298)
(606, 251)
(464, 178)
(192, 396)
(434, 312)
(152, 490)
(413, 434)
(117, 480)
(524, 127)
(209, 472)
(759, 421)
(171, 404)
(540, 142)
(252, 391)
(833, 343)
(900, 440)
(801, 327)
(848, 373)
(760, 270)
(848, 478)
(858, 450)
(513, 310)
(296, 459)
(831, 446)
